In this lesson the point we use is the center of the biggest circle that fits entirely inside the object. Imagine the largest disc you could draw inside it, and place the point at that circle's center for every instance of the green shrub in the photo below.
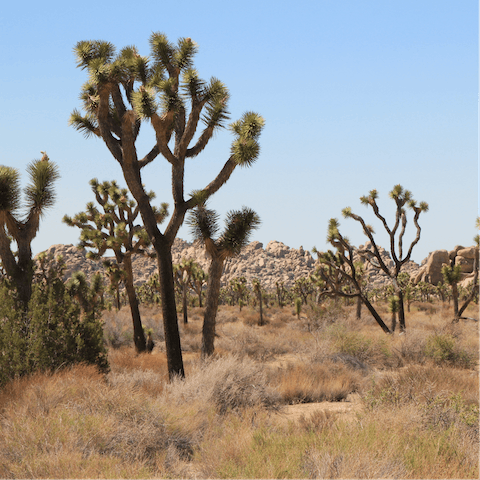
(54, 332)
(444, 349)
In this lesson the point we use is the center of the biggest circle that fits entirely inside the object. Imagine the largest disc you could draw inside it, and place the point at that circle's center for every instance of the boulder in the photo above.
(453, 253)
(470, 252)
(431, 272)
(466, 264)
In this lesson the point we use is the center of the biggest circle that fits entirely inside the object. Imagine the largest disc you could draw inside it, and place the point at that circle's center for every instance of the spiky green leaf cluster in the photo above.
(9, 189)
(245, 148)
(239, 226)
(88, 51)
(333, 232)
(40, 193)
(144, 102)
(453, 274)
(203, 223)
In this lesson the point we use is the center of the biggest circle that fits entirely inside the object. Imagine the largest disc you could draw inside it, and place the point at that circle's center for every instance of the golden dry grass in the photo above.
(420, 416)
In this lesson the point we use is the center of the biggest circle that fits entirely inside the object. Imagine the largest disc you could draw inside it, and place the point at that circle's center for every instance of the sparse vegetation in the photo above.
(400, 406)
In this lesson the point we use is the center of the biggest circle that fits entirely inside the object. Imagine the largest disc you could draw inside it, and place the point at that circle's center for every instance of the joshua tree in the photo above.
(257, 290)
(239, 291)
(401, 197)
(393, 307)
(204, 226)
(183, 275)
(115, 275)
(115, 229)
(340, 269)
(197, 281)
(40, 196)
(452, 275)
(164, 90)
(303, 287)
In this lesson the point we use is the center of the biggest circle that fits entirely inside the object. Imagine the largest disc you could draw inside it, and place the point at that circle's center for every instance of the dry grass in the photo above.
(420, 418)
(316, 382)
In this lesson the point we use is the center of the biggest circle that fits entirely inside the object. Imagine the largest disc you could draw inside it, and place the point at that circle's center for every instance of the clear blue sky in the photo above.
(356, 95)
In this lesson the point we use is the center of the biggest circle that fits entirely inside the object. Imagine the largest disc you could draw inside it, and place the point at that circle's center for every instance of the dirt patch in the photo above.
(346, 410)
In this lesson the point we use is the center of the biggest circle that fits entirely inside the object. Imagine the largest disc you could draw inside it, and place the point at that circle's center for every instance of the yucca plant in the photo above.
(339, 270)
(452, 275)
(182, 273)
(396, 234)
(22, 229)
(203, 222)
(114, 228)
(164, 90)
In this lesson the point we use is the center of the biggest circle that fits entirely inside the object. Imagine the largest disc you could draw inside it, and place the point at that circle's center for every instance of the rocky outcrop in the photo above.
(431, 271)
(274, 263)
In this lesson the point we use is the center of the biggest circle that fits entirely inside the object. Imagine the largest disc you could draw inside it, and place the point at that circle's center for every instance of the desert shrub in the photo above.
(54, 332)
(411, 347)
(443, 349)
(371, 351)
(444, 411)
(318, 464)
(316, 382)
(417, 384)
(228, 383)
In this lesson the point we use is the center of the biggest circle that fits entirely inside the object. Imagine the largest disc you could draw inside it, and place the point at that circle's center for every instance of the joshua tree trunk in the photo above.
(138, 334)
(169, 310)
(184, 303)
(401, 310)
(211, 306)
(260, 301)
(376, 316)
(394, 320)
(455, 300)
(359, 309)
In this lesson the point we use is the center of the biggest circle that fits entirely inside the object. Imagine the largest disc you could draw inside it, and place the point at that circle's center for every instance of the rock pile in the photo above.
(431, 271)
(275, 262)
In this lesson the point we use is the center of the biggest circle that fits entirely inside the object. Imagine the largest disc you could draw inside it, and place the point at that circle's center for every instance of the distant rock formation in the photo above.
(431, 271)
(275, 262)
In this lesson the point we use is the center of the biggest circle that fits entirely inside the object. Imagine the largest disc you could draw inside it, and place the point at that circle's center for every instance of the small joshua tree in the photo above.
(396, 234)
(182, 274)
(165, 91)
(40, 196)
(115, 229)
(393, 306)
(204, 226)
(257, 290)
(452, 275)
(340, 269)
(197, 281)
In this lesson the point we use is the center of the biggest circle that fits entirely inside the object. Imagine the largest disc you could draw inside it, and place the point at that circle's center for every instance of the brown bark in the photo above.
(376, 316)
(138, 334)
(211, 306)
(184, 303)
(169, 309)
(358, 313)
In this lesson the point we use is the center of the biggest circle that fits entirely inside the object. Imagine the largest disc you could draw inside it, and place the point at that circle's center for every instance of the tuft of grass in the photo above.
(444, 349)
(229, 383)
(317, 382)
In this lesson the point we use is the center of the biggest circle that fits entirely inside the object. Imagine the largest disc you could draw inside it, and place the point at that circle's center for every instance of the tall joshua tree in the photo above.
(40, 195)
(204, 226)
(396, 234)
(164, 90)
(114, 229)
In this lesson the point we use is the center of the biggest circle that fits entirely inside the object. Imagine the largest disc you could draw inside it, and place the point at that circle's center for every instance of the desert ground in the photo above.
(315, 395)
